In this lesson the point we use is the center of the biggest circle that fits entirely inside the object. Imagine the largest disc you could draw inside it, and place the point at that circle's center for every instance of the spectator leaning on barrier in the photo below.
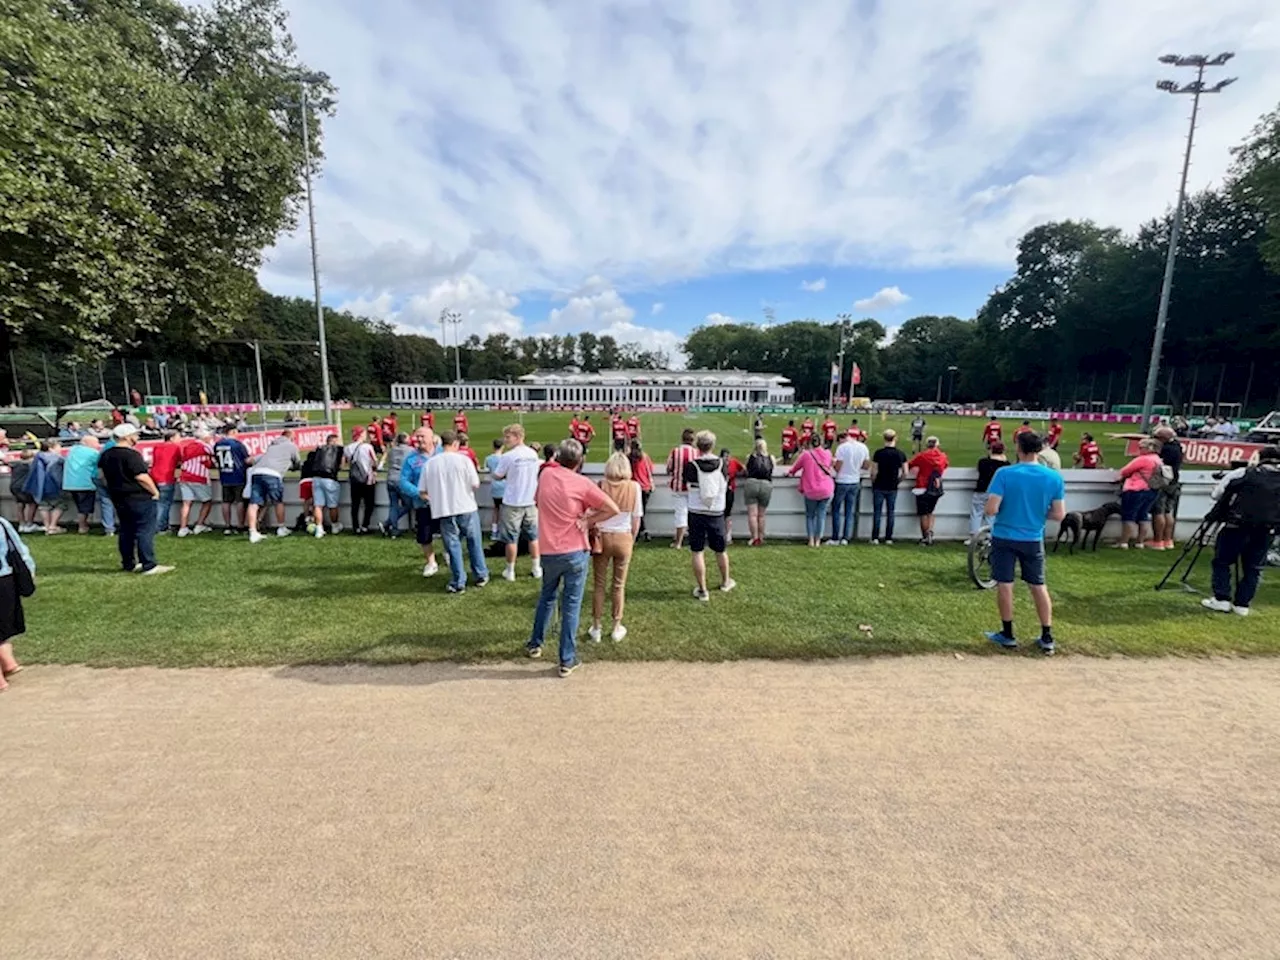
(757, 490)
(44, 484)
(888, 469)
(928, 466)
(987, 467)
(1164, 512)
(232, 458)
(194, 485)
(267, 486)
(1021, 497)
(397, 505)
(817, 484)
(450, 480)
(424, 447)
(362, 471)
(326, 492)
(642, 473)
(1137, 496)
(80, 480)
(166, 460)
(850, 460)
(707, 485)
(20, 469)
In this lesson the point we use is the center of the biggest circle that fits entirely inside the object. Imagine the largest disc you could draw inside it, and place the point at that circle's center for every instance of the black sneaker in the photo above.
(568, 668)
(482, 583)
(1046, 647)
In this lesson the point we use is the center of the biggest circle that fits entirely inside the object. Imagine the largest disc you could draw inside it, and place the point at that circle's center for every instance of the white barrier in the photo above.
(1086, 489)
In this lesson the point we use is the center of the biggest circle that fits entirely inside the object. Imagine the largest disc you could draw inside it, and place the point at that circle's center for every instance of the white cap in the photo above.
(124, 430)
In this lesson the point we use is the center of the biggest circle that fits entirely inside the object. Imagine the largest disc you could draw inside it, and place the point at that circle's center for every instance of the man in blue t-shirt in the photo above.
(232, 458)
(1021, 497)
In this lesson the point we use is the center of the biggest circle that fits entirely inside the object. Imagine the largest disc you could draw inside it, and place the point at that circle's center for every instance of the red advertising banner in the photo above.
(1207, 453)
(307, 438)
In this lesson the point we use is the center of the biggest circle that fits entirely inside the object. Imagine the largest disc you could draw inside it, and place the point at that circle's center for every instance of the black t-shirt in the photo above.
(888, 461)
(120, 467)
(759, 467)
(987, 468)
(1171, 454)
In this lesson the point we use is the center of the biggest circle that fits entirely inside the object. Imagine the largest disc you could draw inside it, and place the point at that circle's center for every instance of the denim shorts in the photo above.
(1028, 554)
(265, 489)
(326, 492)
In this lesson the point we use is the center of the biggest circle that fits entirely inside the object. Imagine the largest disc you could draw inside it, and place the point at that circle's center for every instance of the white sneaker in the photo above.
(831, 543)
(200, 528)
(431, 569)
(319, 532)
(844, 543)
(888, 543)
(537, 571)
(156, 571)
(255, 537)
(1217, 606)
(335, 528)
(509, 574)
(966, 541)
(283, 531)
(701, 595)
(27, 528)
(619, 634)
(184, 532)
(137, 568)
(1241, 611)
(728, 585)
(594, 634)
(875, 543)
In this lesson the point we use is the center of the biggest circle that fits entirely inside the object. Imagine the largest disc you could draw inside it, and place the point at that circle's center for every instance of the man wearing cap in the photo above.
(134, 495)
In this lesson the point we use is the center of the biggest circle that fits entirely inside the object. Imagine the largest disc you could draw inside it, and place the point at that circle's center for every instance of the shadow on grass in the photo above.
(415, 674)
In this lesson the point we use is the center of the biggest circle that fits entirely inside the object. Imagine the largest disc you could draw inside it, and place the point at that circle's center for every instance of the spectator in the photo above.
(929, 465)
(80, 480)
(706, 485)
(12, 622)
(568, 505)
(733, 468)
(44, 484)
(424, 448)
(232, 458)
(548, 458)
(497, 488)
(918, 424)
(1164, 512)
(519, 469)
(362, 471)
(464, 447)
(267, 485)
(757, 490)
(1049, 457)
(613, 544)
(790, 441)
(450, 482)
(679, 458)
(397, 505)
(642, 473)
(888, 468)
(850, 460)
(1089, 456)
(1021, 497)
(1136, 495)
(20, 470)
(817, 485)
(134, 494)
(1249, 498)
(194, 485)
(987, 467)
(166, 461)
(326, 492)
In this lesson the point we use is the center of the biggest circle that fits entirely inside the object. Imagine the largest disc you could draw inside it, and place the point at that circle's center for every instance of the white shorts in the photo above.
(680, 507)
(195, 492)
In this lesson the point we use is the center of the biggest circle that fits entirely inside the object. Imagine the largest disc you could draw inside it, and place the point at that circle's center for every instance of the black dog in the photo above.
(1086, 521)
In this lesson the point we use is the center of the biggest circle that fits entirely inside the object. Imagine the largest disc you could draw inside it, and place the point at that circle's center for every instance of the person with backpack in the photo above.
(362, 471)
(707, 485)
(757, 490)
(1248, 501)
(927, 467)
(817, 486)
(326, 493)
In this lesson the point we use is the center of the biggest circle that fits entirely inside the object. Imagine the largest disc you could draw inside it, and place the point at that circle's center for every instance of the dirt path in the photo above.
(892, 808)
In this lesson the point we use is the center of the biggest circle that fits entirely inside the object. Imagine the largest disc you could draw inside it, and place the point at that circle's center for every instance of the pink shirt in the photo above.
(563, 497)
(814, 467)
(1137, 472)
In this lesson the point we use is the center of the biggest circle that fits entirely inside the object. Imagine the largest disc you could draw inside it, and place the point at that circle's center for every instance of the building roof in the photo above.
(707, 378)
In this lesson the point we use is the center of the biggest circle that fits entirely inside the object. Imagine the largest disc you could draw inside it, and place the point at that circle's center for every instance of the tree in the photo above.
(1256, 181)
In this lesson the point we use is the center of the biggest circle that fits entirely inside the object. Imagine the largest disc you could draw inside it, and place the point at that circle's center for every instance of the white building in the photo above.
(634, 389)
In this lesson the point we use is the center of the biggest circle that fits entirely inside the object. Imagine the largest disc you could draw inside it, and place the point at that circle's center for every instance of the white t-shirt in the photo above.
(363, 451)
(519, 467)
(621, 523)
(852, 454)
(450, 481)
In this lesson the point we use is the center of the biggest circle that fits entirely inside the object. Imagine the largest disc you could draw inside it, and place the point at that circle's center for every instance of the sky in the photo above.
(640, 168)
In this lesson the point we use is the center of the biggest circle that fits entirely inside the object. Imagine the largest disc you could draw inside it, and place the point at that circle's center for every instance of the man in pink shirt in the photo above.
(568, 503)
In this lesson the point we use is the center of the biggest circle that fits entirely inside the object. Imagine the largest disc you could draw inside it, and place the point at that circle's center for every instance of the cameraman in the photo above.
(1249, 504)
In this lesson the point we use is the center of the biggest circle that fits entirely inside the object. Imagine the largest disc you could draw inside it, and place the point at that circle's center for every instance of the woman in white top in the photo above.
(612, 541)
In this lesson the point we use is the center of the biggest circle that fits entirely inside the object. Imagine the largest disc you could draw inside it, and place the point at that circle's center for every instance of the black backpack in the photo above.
(1255, 498)
(934, 487)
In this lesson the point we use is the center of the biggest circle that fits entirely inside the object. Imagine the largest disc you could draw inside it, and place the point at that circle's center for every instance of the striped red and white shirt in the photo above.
(197, 458)
(675, 467)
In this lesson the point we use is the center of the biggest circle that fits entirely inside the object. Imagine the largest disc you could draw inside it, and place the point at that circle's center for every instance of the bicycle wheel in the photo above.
(979, 560)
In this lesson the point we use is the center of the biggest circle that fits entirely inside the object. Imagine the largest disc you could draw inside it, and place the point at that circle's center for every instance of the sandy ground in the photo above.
(892, 808)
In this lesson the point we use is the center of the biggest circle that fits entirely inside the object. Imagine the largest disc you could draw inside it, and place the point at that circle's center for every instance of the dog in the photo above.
(1085, 521)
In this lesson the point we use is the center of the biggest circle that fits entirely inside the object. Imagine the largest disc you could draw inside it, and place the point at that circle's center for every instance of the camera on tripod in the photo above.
(1235, 465)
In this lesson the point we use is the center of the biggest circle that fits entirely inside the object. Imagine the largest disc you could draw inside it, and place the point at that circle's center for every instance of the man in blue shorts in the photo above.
(232, 458)
(1021, 497)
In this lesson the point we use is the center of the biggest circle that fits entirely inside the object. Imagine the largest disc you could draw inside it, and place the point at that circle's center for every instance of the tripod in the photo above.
(1191, 550)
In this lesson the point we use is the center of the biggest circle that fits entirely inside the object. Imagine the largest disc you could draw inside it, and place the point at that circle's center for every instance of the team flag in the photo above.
(835, 374)
(855, 378)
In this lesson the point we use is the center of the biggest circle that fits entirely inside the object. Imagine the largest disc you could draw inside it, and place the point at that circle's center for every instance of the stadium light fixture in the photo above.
(450, 317)
(1195, 88)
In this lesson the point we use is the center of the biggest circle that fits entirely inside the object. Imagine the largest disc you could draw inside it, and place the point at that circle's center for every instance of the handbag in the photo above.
(23, 579)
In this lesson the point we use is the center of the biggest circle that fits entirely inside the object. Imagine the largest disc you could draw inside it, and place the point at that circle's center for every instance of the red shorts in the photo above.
(304, 489)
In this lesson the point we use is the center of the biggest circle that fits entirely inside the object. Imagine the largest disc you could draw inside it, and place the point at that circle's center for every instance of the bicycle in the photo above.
(979, 560)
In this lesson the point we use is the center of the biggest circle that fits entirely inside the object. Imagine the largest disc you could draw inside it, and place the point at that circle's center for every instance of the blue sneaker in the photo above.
(1046, 647)
(999, 639)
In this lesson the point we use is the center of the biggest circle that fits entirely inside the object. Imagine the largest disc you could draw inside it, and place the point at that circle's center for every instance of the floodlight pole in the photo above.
(1166, 288)
(315, 263)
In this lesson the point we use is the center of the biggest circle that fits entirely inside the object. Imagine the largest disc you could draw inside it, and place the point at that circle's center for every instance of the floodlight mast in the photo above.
(1195, 88)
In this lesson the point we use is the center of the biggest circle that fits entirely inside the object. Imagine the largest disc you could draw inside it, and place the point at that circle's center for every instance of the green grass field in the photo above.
(961, 436)
(346, 599)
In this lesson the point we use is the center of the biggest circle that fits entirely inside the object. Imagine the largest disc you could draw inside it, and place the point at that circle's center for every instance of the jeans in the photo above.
(977, 513)
(843, 505)
(1248, 545)
(886, 500)
(398, 507)
(137, 532)
(571, 568)
(815, 517)
(164, 506)
(455, 529)
(106, 508)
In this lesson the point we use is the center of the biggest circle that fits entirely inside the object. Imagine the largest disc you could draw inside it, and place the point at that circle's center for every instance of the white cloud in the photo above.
(484, 310)
(719, 319)
(656, 309)
(814, 286)
(599, 308)
(884, 299)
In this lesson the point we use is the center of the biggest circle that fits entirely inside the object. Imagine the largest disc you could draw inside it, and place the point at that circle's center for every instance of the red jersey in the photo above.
(429, 420)
(1055, 434)
(829, 430)
(928, 462)
(472, 454)
(633, 427)
(789, 438)
(642, 472)
(806, 430)
(992, 432)
(460, 422)
(676, 461)
(197, 458)
(1090, 454)
(857, 433)
(619, 428)
(575, 428)
(165, 458)
(587, 432)
(733, 468)
(1022, 428)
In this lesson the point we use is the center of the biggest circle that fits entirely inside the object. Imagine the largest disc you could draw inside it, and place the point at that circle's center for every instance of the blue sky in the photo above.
(641, 167)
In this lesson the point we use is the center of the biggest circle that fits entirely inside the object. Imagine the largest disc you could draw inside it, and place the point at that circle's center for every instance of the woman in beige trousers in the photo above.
(611, 543)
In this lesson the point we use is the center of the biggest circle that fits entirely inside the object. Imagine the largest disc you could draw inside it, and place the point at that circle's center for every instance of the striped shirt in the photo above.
(676, 461)
(197, 458)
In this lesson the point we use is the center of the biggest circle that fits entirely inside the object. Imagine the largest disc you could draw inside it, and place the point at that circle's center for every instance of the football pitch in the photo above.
(961, 437)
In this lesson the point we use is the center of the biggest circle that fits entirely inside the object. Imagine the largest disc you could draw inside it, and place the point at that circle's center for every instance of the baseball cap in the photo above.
(124, 430)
